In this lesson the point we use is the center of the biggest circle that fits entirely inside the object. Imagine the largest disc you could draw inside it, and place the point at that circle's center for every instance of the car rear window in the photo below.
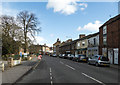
(104, 59)
(82, 56)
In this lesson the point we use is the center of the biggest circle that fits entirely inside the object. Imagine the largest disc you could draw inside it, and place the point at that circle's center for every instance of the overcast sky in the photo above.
(64, 19)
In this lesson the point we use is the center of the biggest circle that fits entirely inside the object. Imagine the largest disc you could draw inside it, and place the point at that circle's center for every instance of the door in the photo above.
(110, 56)
(116, 56)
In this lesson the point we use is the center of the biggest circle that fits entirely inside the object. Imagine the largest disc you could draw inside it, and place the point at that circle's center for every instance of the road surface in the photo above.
(54, 70)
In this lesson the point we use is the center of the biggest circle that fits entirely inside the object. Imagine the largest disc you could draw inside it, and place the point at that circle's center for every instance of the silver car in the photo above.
(99, 60)
(70, 56)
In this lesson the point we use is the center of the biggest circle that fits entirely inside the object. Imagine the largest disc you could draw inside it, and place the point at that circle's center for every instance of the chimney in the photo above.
(69, 40)
(81, 36)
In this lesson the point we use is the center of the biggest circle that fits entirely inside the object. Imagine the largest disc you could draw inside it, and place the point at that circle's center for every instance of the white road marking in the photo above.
(50, 70)
(51, 77)
(36, 65)
(50, 74)
(93, 79)
(51, 82)
(61, 62)
(70, 67)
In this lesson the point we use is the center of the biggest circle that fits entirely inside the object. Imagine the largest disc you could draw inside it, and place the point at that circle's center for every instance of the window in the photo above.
(78, 44)
(104, 30)
(94, 41)
(83, 43)
(104, 40)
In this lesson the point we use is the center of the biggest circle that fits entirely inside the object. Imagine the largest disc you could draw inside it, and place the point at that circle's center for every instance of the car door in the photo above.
(95, 59)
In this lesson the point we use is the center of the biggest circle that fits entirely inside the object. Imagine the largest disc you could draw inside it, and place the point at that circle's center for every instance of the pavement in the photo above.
(52, 70)
(11, 75)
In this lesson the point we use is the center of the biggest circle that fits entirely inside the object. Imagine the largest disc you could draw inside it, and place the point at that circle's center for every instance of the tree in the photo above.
(28, 22)
(10, 33)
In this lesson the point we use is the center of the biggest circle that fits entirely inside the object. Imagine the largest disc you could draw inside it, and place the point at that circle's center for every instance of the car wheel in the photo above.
(88, 62)
(97, 64)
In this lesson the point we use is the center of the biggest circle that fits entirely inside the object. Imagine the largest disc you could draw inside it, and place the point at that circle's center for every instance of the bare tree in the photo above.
(10, 33)
(28, 22)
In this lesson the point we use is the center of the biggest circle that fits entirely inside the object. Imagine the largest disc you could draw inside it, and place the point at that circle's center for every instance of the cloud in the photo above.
(7, 10)
(90, 27)
(39, 40)
(83, 6)
(66, 7)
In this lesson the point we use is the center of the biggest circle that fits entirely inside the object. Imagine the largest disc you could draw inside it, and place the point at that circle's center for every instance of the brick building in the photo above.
(109, 39)
(56, 47)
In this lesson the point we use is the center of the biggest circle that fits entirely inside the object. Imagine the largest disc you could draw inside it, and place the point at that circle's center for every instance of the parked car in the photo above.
(99, 60)
(70, 56)
(75, 58)
(54, 55)
(82, 58)
(65, 56)
(60, 55)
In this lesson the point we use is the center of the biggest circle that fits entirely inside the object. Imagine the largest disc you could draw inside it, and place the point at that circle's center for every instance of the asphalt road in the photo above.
(52, 70)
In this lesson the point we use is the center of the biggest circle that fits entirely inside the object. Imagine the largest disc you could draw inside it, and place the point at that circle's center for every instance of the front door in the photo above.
(110, 56)
(116, 56)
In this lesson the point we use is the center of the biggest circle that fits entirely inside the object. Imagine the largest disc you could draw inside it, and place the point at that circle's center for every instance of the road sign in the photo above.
(39, 57)
(25, 54)
(20, 54)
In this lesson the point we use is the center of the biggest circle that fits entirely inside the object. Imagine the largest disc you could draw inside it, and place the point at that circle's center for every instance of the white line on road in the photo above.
(51, 77)
(50, 70)
(61, 62)
(51, 82)
(93, 79)
(36, 65)
(50, 74)
(70, 67)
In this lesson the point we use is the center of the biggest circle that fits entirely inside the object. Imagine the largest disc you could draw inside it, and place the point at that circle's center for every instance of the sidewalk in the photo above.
(12, 74)
(115, 66)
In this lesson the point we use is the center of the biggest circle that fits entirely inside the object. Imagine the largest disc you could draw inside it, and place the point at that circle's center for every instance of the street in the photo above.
(54, 70)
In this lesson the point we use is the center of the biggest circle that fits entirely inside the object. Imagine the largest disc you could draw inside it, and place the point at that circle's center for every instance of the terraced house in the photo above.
(110, 39)
(93, 45)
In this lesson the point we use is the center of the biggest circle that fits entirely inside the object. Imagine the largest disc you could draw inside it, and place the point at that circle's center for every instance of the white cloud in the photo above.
(38, 40)
(6, 10)
(90, 27)
(66, 7)
(83, 6)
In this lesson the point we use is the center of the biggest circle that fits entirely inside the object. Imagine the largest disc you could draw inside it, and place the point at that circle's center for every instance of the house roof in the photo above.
(111, 20)
(86, 37)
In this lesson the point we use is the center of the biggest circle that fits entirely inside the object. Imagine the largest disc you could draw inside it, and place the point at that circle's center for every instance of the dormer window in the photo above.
(83, 43)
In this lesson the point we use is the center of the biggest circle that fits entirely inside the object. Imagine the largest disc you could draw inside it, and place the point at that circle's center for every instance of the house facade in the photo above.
(93, 45)
(81, 45)
(65, 47)
(56, 47)
(109, 39)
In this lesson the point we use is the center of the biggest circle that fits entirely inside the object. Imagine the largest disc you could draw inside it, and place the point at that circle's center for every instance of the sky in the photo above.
(64, 19)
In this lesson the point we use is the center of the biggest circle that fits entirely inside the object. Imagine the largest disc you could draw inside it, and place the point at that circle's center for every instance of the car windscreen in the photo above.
(104, 58)
(82, 56)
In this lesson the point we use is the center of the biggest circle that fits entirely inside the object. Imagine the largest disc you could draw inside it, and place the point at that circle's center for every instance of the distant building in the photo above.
(65, 47)
(56, 47)
(39, 49)
(109, 39)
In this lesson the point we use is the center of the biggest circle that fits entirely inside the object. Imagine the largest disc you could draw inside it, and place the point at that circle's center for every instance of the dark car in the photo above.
(62, 55)
(99, 60)
(65, 56)
(82, 58)
(75, 58)
(54, 55)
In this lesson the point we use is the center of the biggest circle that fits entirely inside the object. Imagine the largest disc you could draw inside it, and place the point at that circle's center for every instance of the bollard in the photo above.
(3, 66)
